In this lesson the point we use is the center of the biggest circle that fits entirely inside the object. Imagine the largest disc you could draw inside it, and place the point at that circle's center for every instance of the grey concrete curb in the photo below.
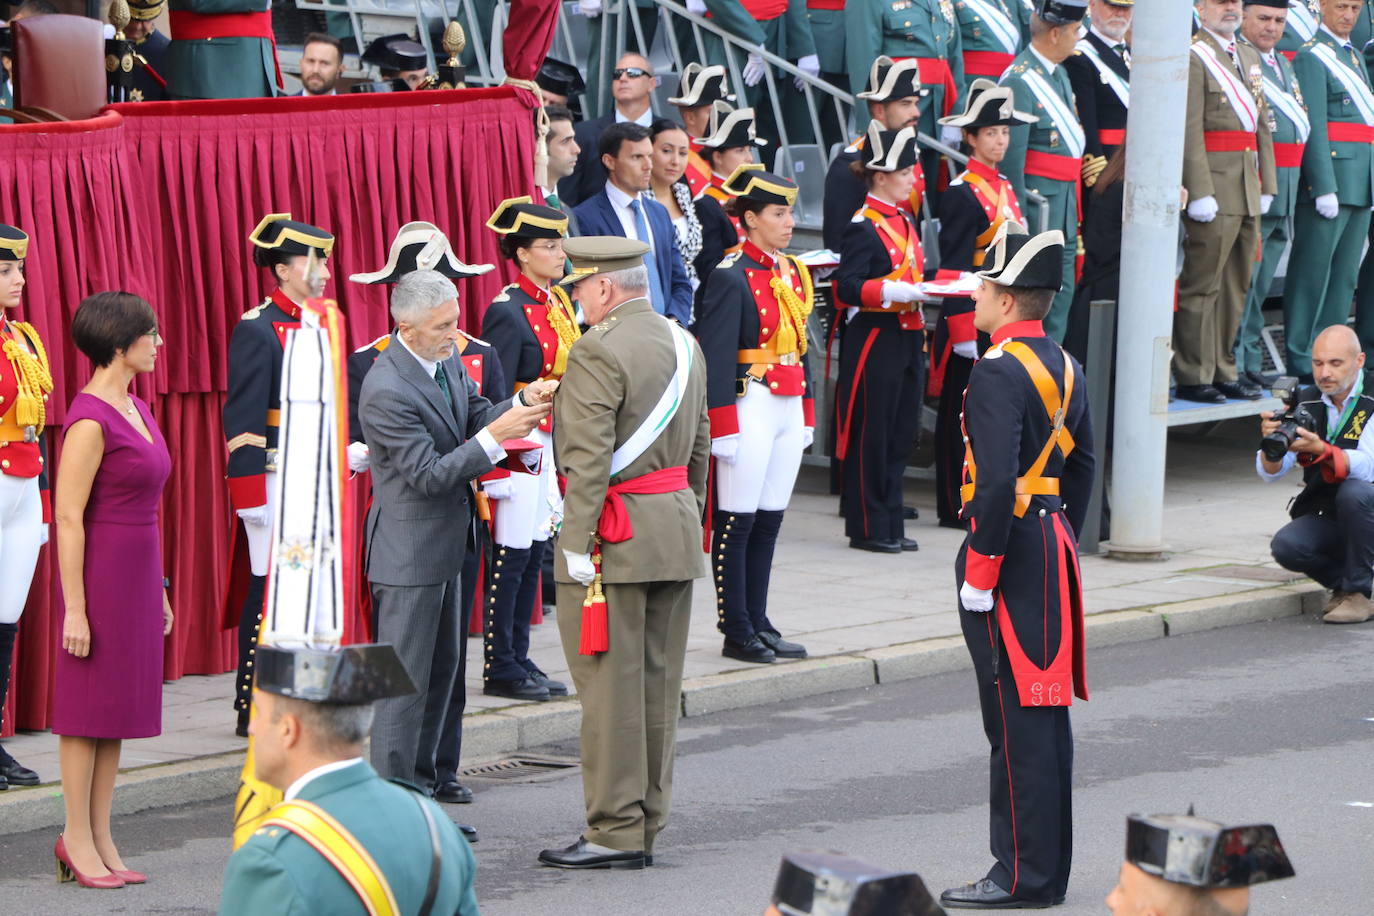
(503, 732)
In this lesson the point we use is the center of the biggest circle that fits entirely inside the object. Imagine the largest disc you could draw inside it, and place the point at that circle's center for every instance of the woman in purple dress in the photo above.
(109, 669)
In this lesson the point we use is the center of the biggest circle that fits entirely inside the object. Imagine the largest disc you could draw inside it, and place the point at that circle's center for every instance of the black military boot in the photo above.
(250, 624)
(729, 553)
(11, 771)
(502, 673)
(763, 539)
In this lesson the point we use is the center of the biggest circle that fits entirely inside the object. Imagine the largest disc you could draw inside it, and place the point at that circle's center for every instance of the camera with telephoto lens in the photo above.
(1295, 416)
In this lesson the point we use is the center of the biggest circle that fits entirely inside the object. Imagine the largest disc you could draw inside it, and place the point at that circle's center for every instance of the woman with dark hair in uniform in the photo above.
(752, 330)
(882, 352)
(728, 144)
(975, 205)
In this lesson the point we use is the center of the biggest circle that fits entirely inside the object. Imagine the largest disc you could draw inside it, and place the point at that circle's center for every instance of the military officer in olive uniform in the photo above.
(630, 545)
(1331, 217)
(1047, 157)
(343, 840)
(1228, 172)
(221, 49)
(1100, 72)
(1290, 128)
(991, 33)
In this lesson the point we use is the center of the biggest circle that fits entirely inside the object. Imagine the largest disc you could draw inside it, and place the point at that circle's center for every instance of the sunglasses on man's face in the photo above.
(633, 73)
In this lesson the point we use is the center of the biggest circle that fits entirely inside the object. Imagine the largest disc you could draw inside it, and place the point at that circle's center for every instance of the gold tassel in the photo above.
(32, 376)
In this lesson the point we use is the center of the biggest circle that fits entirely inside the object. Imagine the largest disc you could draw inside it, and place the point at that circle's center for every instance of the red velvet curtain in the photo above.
(158, 199)
(527, 39)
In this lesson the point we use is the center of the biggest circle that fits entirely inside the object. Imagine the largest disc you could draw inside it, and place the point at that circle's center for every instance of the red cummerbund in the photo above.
(1345, 132)
(1048, 165)
(1288, 155)
(1229, 141)
(195, 26)
(765, 10)
(1108, 136)
(987, 63)
(825, 4)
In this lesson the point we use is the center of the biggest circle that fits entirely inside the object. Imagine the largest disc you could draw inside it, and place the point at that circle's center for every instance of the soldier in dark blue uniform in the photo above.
(531, 323)
(752, 331)
(422, 246)
(252, 414)
(150, 81)
(882, 351)
(1028, 470)
(1100, 73)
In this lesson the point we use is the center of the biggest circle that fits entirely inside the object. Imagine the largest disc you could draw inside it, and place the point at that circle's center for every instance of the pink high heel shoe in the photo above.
(66, 871)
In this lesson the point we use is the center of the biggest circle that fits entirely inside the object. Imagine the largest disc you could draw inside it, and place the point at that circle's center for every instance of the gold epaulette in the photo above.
(378, 344)
(254, 312)
(730, 259)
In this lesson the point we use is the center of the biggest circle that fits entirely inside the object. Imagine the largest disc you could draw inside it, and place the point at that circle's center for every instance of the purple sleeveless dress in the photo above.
(116, 690)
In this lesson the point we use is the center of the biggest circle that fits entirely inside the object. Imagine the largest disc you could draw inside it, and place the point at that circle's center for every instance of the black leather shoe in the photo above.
(648, 858)
(4, 784)
(1203, 394)
(16, 774)
(555, 688)
(910, 513)
(986, 895)
(909, 544)
(1241, 390)
(523, 689)
(453, 792)
(876, 546)
(579, 856)
(752, 651)
(781, 647)
(1264, 380)
(469, 833)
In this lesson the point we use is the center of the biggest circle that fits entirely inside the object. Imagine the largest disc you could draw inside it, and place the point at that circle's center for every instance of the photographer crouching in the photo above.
(1331, 536)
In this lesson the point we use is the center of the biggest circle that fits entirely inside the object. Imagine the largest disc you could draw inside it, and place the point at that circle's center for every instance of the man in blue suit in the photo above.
(619, 209)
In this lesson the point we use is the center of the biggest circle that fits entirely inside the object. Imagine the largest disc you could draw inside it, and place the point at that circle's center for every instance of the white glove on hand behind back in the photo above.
(358, 457)
(973, 599)
(580, 566)
(968, 349)
(497, 488)
(1266, 201)
(725, 448)
(255, 515)
(1203, 210)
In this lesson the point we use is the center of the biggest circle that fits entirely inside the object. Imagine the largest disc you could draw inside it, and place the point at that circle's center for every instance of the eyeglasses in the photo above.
(549, 246)
(633, 73)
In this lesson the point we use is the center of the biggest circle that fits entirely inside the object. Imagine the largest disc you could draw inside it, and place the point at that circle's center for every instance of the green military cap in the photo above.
(14, 243)
(347, 676)
(600, 254)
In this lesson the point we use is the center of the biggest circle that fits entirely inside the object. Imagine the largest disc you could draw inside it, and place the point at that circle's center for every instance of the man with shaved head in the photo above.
(1331, 536)
(632, 83)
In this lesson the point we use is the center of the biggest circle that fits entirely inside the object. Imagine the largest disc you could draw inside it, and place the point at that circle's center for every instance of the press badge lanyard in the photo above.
(1350, 399)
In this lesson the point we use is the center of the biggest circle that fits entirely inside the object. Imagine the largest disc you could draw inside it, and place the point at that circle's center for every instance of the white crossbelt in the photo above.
(998, 22)
(1242, 102)
(1301, 20)
(1106, 73)
(658, 419)
(1060, 113)
(1284, 102)
(1354, 83)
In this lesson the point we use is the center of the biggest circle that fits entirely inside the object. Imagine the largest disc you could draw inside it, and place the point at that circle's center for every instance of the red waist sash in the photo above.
(1345, 132)
(1229, 141)
(195, 26)
(987, 63)
(825, 4)
(1288, 155)
(1109, 136)
(936, 70)
(1050, 165)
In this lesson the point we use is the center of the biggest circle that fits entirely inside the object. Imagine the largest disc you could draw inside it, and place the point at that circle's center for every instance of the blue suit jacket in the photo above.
(597, 216)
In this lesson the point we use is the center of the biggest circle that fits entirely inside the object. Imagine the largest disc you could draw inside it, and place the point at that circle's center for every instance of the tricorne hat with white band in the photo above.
(1026, 261)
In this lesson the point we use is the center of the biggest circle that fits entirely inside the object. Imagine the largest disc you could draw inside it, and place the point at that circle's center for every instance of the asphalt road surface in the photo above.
(1269, 722)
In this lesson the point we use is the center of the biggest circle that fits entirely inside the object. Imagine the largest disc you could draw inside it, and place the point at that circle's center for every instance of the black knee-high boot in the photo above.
(729, 555)
(758, 569)
(11, 771)
(250, 623)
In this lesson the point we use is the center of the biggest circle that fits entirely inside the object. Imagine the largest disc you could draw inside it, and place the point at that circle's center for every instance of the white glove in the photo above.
(589, 8)
(1266, 201)
(808, 436)
(358, 460)
(43, 535)
(1203, 210)
(725, 448)
(696, 7)
(900, 291)
(952, 136)
(1328, 206)
(257, 515)
(968, 349)
(753, 69)
(811, 66)
(580, 566)
(498, 488)
(973, 599)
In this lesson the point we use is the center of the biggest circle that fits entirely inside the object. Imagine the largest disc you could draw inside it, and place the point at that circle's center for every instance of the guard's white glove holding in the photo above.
(725, 448)
(256, 515)
(952, 136)
(973, 599)
(753, 69)
(808, 436)
(1203, 210)
(1266, 201)
(358, 457)
(497, 488)
(968, 349)
(811, 66)
(1328, 206)
(43, 535)
(580, 566)
(696, 7)
(900, 291)
(589, 8)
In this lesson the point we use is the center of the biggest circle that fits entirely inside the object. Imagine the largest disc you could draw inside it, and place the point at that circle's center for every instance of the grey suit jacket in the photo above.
(423, 458)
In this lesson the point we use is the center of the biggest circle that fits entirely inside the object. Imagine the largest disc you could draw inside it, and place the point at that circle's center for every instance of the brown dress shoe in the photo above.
(1352, 608)
(1337, 596)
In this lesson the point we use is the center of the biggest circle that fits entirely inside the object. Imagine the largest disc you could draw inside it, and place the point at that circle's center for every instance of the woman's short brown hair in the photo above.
(108, 322)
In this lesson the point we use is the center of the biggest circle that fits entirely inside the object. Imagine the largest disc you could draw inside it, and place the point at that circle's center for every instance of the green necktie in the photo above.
(553, 201)
(441, 377)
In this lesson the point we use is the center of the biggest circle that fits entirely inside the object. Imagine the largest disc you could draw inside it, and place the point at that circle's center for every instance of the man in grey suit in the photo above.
(430, 434)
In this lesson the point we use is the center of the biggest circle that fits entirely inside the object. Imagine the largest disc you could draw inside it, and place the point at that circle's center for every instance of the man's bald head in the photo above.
(631, 59)
(1337, 360)
(631, 89)
(1140, 894)
(1339, 338)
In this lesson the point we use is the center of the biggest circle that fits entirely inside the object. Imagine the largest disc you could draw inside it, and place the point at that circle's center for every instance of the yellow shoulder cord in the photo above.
(563, 320)
(792, 337)
(32, 375)
(341, 849)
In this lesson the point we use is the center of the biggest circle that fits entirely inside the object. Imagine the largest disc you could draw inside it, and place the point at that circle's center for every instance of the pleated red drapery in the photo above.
(158, 199)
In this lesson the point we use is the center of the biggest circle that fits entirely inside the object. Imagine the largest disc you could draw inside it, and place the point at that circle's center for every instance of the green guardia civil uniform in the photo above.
(1325, 260)
(278, 872)
(927, 30)
(1047, 157)
(1289, 127)
(991, 34)
(1304, 16)
(220, 49)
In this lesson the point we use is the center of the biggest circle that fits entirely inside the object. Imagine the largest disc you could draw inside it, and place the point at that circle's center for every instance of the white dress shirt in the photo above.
(306, 778)
(1361, 457)
(621, 202)
(644, 120)
(1050, 65)
(1343, 42)
(495, 453)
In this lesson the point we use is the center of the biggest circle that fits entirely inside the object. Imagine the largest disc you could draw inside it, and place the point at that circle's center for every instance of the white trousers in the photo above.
(769, 456)
(260, 536)
(523, 517)
(21, 528)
